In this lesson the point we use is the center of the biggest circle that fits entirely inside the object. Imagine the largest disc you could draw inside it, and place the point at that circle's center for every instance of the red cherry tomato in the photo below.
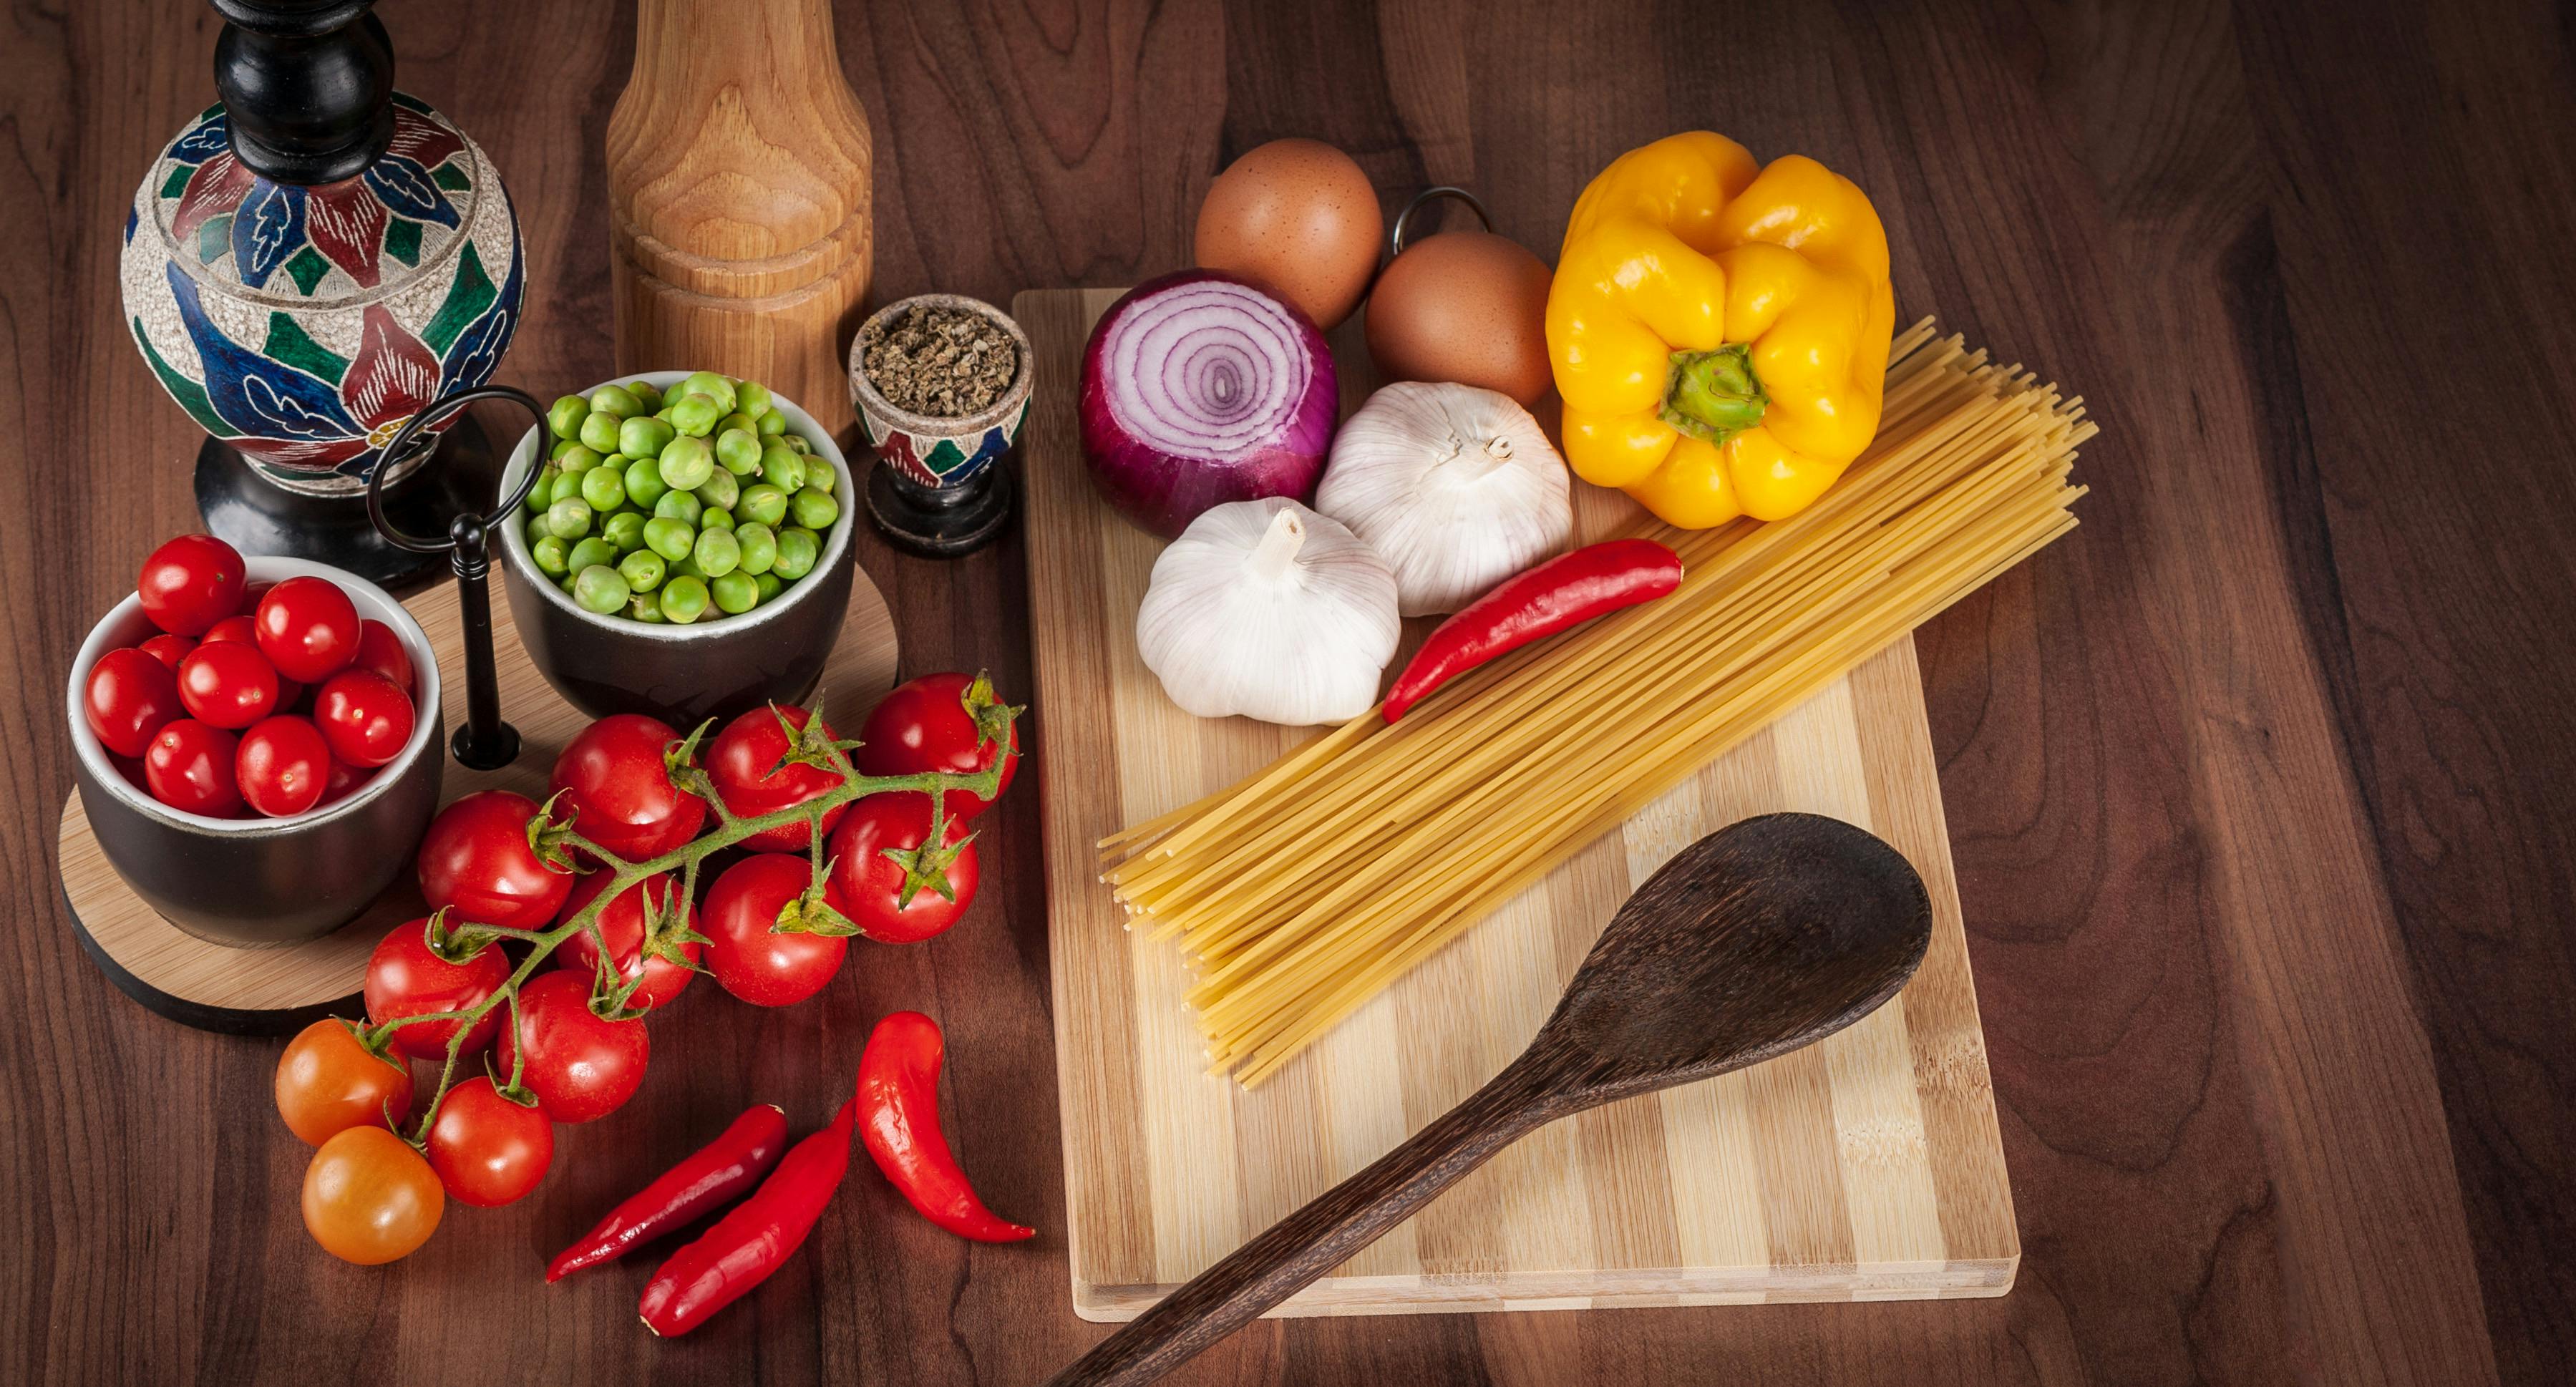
(476, 858)
(622, 920)
(190, 766)
(282, 765)
(941, 722)
(129, 696)
(580, 1065)
(748, 958)
(190, 583)
(344, 780)
(740, 763)
(308, 628)
(379, 649)
(231, 628)
(365, 717)
(489, 1149)
(227, 685)
(169, 649)
(612, 776)
(406, 977)
(869, 886)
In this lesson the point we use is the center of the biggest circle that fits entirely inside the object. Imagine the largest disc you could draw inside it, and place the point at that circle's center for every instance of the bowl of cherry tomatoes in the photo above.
(255, 741)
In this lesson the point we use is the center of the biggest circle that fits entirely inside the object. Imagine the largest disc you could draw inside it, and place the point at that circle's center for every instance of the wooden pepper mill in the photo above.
(739, 226)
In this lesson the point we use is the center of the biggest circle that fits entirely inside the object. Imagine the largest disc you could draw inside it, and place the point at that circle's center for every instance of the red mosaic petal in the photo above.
(218, 186)
(393, 375)
(422, 138)
(347, 224)
(312, 454)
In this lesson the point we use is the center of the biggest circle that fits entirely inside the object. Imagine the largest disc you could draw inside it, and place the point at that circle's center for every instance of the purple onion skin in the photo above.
(1163, 491)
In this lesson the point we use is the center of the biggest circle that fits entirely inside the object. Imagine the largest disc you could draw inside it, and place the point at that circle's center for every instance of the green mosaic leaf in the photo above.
(177, 182)
(467, 297)
(946, 456)
(288, 342)
(402, 240)
(450, 177)
(214, 239)
(308, 267)
(211, 112)
(190, 395)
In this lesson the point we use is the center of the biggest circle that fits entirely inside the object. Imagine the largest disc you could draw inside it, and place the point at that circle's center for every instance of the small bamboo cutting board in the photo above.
(1866, 1167)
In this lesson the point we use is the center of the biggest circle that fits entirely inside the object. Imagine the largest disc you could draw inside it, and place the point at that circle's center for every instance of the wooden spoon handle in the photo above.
(1317, 1238)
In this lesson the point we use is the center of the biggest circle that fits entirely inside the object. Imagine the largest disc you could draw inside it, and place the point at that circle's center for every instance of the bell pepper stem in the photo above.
(1714, 395)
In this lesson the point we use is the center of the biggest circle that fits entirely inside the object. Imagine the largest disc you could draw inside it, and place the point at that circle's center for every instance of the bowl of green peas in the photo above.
(685, 549)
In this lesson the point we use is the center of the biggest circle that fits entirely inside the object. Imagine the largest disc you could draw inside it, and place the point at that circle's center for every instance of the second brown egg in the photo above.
(1464, 306)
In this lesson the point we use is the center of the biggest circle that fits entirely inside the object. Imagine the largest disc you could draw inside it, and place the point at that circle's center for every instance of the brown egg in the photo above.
(1298, 218)
(1464, 306)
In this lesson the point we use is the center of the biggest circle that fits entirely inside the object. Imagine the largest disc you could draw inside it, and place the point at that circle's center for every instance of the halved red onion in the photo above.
(1199, 389)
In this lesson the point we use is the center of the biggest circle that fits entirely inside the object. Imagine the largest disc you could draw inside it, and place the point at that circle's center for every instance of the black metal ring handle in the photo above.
(414, 432)
(1395, 234)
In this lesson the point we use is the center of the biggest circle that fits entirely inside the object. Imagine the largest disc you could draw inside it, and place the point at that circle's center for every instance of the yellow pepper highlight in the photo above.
(1719, 333)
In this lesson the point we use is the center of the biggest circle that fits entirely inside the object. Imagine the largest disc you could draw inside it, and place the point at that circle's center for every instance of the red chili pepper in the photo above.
(1567, 590)
(712, 1175)
(752, 1241)
(899, 1121)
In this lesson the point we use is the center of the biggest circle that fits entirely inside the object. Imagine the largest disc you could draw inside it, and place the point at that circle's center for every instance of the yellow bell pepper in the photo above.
(1719, 334)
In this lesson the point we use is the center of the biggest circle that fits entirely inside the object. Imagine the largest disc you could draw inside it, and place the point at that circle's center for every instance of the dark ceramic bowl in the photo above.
(713, 668)
(264, 883)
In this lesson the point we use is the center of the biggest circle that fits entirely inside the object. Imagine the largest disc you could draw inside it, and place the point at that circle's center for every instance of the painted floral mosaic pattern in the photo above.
(305, 326)
(941, 459)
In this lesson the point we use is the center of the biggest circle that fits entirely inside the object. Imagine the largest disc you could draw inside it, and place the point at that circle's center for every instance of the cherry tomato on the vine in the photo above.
(622, 920)
(365, 718)
(282, 766)
(307, 627)
(613, 778)
(581, 1065)
(406, 977)
(129, 697)
(488, 1148)
(900, 902)
(189, 766)
(741, 764)
(477, 859)
(190, 583)
(227, 685)
(328, 1082)
(369, 1198)
(751, 960)
(379, 649)
(942, 722)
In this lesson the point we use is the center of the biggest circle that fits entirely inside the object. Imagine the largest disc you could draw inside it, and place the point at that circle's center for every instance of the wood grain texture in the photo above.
(2307, 261)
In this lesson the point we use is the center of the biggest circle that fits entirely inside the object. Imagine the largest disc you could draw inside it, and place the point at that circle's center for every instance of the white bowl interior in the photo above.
(836, 545)
(125, 624)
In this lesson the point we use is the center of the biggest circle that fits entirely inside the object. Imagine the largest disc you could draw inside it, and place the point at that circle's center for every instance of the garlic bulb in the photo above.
(1266, 609)
(1455, 487)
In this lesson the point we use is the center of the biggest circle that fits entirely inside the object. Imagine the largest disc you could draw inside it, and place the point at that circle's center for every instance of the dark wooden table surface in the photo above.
(2260, 784)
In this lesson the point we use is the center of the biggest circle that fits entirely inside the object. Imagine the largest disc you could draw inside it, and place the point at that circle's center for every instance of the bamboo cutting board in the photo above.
(1865, 1167)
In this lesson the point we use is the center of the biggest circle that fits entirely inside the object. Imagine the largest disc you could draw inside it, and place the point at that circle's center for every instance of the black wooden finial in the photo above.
(308, 86)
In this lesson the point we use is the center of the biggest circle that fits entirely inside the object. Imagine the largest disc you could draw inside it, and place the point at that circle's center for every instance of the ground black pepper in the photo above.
(943, 362)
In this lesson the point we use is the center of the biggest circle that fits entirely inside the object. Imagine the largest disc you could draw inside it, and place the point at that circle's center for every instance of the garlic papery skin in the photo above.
(1268, 610)
(1455, 487)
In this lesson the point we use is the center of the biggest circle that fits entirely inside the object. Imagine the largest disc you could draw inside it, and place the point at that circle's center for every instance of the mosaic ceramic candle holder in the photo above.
(939, 488)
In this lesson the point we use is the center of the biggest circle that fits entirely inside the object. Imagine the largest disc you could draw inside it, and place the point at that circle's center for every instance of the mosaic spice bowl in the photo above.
(928, 449)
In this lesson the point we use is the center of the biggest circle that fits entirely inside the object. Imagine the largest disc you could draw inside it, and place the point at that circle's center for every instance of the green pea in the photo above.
(720, 489)
(679, 505)
(568, 519)
(695, 414)
(648, 397)
(815, 510)
(642, 570)
(576, 460)
(820, 476)
(565, 583)
(604, 488)
(615, 401)
(684, 599)
(624, 531)
(715, 518)
(735, 592)
(645, 607)
(717, 553)
(541, 492)
(796, 441)
(644, 483)
(550, 556)
(537, 529)
(672, 539)
(564, 416)
(593, 552)
(761, 504)
(714, 386)
(797, 551)
(599, 432)
(644, 437)
(687, 462)
(562, 446)
(753, 398)
(782, 467)
(771, 425)
(770, 586)
(739, 450)
(598, 588)
(759, 546)
(686, 566)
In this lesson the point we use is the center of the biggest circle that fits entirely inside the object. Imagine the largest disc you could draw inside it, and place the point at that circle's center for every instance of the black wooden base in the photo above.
(256, 516)
(942, 522)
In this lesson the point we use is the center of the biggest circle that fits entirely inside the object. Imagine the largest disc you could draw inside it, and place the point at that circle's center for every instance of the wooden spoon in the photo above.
(1767, 935)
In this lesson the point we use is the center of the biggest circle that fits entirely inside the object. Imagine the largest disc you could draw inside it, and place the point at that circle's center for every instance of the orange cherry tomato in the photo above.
(369, 1198)
(327, 1083)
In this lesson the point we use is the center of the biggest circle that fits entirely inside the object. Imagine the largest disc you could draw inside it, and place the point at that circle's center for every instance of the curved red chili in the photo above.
(1567, 590)
(899, 1122)
(752, 1241)
(709, 1176)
